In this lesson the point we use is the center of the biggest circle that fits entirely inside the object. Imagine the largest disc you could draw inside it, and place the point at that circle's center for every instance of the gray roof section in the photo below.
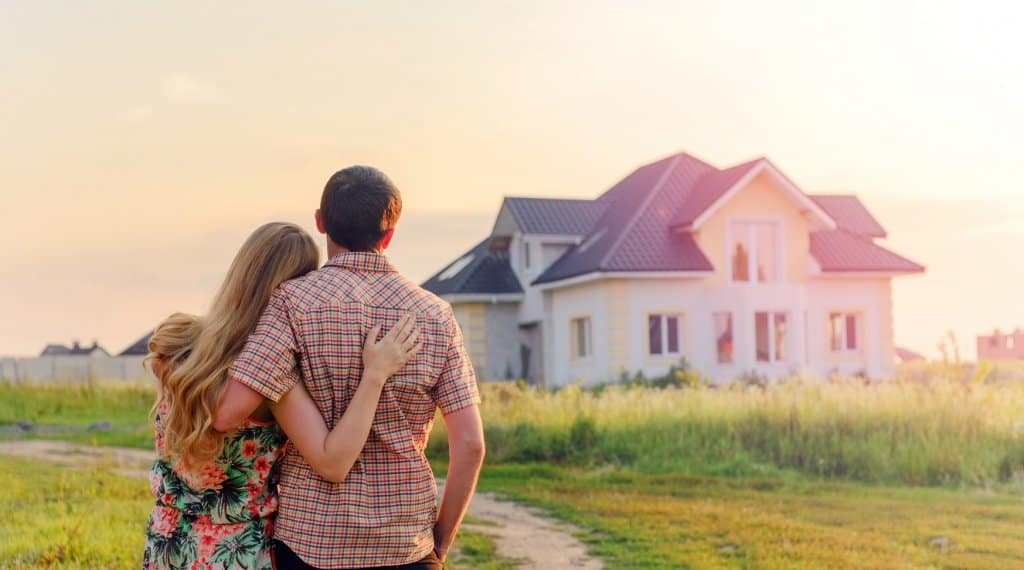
(482, 272)
(555, 216)
(139, 347)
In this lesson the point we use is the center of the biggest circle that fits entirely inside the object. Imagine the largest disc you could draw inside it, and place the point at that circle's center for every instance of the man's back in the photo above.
(383, 513)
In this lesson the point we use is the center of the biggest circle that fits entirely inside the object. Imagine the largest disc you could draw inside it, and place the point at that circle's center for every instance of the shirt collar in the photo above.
(364, 261)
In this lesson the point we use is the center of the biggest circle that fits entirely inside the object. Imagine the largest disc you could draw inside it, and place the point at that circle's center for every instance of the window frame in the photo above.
(663, 317)
(778, 259)
(773, 348)
(588, 337)
(731, 320)
(858, 333)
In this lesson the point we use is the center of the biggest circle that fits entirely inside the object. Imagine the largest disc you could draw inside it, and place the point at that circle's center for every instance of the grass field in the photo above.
(923, 472)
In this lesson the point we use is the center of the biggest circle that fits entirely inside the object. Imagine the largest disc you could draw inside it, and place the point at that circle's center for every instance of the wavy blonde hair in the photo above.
(191, 355)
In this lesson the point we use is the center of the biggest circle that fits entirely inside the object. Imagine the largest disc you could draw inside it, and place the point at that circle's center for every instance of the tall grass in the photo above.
(935, 425)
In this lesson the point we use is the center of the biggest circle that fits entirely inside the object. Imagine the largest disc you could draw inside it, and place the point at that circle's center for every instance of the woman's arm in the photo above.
(332, 453)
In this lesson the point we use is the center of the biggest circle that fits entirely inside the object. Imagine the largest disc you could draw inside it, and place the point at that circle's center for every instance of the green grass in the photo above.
(58, 518)
(635, 520)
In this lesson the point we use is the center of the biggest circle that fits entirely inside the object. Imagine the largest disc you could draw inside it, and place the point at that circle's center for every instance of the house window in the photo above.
(581, 337)
(844, 332)
(526, 255)
(770, 331)
(754, 252)
(723, 337)
(664, 335)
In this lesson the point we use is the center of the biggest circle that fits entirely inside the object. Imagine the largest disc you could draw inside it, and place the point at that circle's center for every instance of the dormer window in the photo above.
(754, 251)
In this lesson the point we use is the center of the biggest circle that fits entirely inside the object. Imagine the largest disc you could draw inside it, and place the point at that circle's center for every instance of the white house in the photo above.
(736, 270)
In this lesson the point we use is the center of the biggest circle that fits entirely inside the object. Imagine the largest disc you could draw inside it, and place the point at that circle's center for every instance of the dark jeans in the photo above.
(285, 559)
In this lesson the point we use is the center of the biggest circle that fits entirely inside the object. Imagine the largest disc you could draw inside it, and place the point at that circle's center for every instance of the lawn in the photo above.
(926, 471)
(676, 521)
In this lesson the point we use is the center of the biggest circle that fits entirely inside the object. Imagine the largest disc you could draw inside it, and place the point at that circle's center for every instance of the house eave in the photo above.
(490, 298)
(598, 275)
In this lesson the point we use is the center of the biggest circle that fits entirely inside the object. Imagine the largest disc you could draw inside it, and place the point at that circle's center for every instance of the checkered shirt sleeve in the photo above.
(456, 388)
(268, 361)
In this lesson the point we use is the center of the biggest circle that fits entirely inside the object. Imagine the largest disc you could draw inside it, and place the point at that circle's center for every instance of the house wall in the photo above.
(472, 319)
(762, 198)
(619, 309)
(502, 330)
(563, 305)
(532, 308)
(872, 299)
(73, 369)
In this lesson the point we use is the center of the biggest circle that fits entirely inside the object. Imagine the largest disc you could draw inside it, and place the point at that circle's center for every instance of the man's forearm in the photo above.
(463, 470)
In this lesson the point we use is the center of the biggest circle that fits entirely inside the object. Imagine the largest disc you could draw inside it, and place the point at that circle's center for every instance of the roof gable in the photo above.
(718, 187)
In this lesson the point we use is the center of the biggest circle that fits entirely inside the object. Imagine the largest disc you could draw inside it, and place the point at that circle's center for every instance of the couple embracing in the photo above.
(291, 421)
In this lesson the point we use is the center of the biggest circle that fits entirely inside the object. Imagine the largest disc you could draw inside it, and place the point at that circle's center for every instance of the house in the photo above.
(76, 349)
(735, 270)
(1001, 346)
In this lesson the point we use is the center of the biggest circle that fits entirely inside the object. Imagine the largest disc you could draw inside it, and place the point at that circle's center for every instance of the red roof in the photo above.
(850, 214)
(845, 251)
(708, 190)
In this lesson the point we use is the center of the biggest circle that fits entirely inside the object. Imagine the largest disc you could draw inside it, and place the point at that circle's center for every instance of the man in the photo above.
(384, 515)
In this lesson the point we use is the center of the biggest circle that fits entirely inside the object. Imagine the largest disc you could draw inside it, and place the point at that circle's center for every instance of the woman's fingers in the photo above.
(371, 337)
(411, 341)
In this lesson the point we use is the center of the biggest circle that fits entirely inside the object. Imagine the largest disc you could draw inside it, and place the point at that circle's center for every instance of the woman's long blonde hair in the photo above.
(191, 355)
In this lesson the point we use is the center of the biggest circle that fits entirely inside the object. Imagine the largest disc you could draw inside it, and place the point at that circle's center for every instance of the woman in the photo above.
(216, 494)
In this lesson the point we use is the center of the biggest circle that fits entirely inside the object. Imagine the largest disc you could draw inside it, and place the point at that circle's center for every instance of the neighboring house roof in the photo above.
(75, 349)
(555, 216)
(476, 272)
(139, 347)
(845, 251)
(55, 350)
(850, 214)
(907, 355)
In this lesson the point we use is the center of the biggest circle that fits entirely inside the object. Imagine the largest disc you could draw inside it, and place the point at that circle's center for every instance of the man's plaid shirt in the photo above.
(313, 330)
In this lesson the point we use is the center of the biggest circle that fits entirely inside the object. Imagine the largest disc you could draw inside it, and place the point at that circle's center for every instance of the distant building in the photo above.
(139, 347)
(1000, 346)
(733, 270)
(905, 355)
(76, 349)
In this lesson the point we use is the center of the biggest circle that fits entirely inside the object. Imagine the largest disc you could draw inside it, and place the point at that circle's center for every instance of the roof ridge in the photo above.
(639, 211)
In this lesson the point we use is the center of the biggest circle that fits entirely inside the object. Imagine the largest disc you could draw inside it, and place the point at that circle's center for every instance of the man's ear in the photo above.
(385, 240)
(319, 222)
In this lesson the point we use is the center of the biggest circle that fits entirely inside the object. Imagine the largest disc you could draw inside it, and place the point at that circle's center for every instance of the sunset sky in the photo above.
(141, 142)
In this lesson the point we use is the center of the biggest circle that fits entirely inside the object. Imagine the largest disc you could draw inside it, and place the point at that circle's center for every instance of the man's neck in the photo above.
(334, 249)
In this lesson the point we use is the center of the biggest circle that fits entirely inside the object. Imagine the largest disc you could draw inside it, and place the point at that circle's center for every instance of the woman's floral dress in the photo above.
(221, 517)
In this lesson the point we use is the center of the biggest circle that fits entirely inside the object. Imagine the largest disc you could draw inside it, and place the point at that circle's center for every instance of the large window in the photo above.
(723, 337)
(771, 333)
(754, 252)
(664, 335)
(579, 328)
(844, 332)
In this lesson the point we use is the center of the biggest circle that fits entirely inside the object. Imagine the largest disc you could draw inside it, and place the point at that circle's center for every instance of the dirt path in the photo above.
(520, 533)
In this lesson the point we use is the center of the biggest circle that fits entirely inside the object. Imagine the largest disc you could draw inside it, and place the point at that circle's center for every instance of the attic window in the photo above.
(456, 267)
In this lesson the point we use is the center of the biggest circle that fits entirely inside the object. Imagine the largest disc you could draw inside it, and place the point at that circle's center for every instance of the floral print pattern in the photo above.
(221, 516)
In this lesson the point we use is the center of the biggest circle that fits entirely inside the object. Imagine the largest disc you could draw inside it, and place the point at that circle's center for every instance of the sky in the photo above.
(140, 143)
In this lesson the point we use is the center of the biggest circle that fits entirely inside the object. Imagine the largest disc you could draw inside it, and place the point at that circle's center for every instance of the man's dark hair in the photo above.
(359, 204)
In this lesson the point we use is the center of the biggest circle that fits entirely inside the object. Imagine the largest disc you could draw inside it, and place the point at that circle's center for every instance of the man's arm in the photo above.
(466, 457)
